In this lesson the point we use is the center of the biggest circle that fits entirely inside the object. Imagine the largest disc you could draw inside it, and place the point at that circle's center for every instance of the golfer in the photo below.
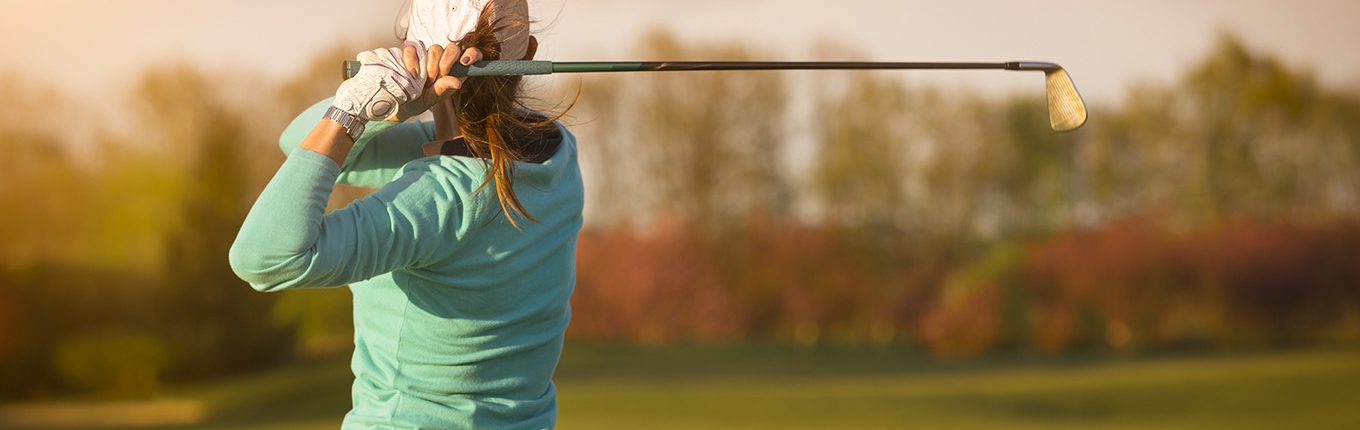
(462, 263)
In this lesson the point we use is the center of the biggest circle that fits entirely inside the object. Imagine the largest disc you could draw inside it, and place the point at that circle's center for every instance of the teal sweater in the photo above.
(458, 315)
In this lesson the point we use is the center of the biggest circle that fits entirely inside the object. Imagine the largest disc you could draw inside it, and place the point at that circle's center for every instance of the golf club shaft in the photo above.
(1066, 110)
(513, 68)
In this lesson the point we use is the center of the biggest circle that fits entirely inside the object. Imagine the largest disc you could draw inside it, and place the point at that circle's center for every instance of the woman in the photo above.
(462, 263)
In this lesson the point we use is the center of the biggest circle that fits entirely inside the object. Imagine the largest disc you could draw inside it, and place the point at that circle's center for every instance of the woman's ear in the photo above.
(532, 49)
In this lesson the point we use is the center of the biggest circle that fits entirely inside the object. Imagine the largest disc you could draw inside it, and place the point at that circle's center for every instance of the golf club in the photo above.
(1066, 110)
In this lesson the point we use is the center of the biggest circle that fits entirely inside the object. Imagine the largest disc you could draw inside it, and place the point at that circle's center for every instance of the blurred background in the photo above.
(762, 249)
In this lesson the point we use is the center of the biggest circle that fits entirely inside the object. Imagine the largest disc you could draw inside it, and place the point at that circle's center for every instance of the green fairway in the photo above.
(789, 388)
(1301, 390)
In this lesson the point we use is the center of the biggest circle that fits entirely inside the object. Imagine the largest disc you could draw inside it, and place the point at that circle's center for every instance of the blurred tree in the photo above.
(1037, 172)
(712, 144)
(610, 166)
(981, 307)
(1247, 108)
(41, 190)
(321, 76)
(1240, 133)
(865, 176)
(213, 321)
(860, 173)
(43, 224)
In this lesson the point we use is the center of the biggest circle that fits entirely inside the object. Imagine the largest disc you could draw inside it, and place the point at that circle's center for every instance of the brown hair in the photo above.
(491, 113)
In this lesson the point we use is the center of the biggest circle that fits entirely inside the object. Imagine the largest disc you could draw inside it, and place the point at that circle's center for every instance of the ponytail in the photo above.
(491, 115)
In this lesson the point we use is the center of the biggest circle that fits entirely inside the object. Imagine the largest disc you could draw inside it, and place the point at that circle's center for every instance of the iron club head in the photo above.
(1066, 110)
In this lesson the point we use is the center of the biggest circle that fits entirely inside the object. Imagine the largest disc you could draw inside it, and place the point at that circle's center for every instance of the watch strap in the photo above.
(353, 124)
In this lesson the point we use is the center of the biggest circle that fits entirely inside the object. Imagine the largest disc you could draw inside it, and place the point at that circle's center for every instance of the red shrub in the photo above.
(679, 282)
(1252, 280)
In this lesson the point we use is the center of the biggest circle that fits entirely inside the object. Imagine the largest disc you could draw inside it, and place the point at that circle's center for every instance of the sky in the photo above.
(94, 49)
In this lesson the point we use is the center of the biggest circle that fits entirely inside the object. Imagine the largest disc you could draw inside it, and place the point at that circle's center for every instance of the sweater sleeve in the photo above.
(378, 155)
(287, 241)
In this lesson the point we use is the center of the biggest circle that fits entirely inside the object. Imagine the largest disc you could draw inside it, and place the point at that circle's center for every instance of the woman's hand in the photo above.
(381, 86)
(439, 85)
(438, 62)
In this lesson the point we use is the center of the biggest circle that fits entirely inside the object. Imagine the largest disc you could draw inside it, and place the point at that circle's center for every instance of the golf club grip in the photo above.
(481, 68)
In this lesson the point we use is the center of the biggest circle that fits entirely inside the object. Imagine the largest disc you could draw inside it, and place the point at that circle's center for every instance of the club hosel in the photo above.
(1032, 65)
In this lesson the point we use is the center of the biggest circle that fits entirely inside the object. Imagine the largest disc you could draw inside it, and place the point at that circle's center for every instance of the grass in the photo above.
(602, 387)
(1281, 390)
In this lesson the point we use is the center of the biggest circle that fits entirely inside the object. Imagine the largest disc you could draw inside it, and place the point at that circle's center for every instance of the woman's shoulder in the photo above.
(450, 170)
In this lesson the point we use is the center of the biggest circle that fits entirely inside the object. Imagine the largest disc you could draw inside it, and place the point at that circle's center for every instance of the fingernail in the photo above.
(467, 60)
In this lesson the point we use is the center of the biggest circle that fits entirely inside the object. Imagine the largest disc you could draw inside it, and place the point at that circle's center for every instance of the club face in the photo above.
(1066, 110)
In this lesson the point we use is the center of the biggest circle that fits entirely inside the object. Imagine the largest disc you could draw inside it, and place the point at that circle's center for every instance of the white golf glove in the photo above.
(382, 85)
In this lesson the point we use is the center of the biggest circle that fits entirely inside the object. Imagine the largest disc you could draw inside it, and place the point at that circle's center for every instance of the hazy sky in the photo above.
(95, 48)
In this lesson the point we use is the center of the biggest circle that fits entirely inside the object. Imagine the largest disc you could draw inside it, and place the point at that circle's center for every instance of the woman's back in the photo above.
(475, 330)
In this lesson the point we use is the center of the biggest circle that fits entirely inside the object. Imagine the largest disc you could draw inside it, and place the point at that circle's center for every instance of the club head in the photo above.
(1066, 110)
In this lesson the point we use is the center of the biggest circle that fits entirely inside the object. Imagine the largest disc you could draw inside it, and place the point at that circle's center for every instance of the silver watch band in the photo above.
(353, 125)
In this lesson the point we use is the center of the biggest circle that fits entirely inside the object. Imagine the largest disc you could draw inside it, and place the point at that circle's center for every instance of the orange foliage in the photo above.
(1132, 285)
(678, 283)
(1246, 280)
(963, 326)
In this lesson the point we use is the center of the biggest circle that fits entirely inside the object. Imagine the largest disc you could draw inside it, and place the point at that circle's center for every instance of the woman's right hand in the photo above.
(439, 85)
(438, 61)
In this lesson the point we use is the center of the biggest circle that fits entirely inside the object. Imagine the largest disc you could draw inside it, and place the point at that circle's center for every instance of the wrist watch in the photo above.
(353, 125)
